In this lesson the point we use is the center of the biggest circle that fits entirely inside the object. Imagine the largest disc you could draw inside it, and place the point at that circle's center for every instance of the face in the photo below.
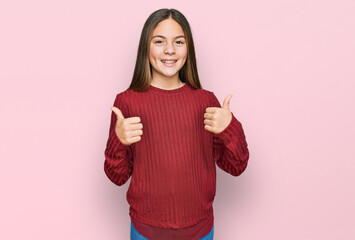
(167, 43)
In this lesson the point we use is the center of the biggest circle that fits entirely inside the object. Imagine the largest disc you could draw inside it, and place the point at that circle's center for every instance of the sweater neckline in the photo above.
(166, 91)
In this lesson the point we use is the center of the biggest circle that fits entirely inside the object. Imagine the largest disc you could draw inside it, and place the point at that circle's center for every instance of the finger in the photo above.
(136, 139)
(208, 122)
(208, 128)
(211, 109)
(208, 116)
(118, 113)
(136, 133)
(133, 119)
(226, 101)
(136, 126)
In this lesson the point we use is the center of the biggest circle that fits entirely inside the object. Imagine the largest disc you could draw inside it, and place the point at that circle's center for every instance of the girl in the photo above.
(168, 133)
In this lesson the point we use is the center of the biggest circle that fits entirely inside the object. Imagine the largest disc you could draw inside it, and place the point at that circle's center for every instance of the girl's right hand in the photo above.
(128, 130)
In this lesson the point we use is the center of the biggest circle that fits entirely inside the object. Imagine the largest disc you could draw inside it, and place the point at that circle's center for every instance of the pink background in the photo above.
(290, 68)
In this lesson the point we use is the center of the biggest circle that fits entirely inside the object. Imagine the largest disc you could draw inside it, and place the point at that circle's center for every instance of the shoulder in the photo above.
(208, 95)
(124, 96)
(122, 101)
(203, 93)
(211, 98)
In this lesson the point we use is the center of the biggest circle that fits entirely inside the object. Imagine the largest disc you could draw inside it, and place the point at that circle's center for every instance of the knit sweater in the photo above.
(173, 171)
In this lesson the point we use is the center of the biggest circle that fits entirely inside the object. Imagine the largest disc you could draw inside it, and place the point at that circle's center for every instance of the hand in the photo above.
(216, 118)
(128, 130)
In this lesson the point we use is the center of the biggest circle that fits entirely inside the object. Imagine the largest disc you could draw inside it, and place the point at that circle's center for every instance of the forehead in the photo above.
(168, 28)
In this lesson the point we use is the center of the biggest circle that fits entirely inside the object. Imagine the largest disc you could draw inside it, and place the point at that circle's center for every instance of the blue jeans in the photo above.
(135, 235)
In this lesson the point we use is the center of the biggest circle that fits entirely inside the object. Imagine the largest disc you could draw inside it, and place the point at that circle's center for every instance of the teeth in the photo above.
(168, 61)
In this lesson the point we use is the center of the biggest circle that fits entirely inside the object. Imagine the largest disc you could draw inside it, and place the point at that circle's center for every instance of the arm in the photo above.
(118, 163)
(230, 149)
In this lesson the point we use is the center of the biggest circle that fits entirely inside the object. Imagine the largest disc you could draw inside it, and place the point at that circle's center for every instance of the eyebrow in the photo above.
(165, 37)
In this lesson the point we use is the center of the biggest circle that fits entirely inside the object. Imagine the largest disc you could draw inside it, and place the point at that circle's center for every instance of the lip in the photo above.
(169, 64)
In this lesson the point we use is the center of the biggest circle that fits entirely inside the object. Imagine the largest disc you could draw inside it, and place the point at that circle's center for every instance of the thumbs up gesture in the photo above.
(128, 130)
(216, 118)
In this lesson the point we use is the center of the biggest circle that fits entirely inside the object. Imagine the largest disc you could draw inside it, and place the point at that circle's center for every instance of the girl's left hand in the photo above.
(216, 118)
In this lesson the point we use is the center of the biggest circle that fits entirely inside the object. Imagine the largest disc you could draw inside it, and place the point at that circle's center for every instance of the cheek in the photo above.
(182, 52)
(154, 53)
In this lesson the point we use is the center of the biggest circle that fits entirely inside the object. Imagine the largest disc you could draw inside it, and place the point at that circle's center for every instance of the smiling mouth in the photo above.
(169, 63)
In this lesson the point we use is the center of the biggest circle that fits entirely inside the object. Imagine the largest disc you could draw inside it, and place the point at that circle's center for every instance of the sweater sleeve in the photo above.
(230, 149)
(118, 163)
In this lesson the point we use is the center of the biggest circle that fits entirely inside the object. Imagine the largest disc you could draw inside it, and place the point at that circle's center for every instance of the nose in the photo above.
(169, 49)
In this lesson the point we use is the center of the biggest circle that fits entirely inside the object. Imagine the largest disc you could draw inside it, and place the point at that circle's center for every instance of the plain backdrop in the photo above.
(288, 63)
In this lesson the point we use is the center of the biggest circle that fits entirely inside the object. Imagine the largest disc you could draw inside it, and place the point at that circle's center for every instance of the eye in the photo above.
(158, 41)
(181, 42)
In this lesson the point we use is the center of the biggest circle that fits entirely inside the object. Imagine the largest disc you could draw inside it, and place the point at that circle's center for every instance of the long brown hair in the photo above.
(143, 70)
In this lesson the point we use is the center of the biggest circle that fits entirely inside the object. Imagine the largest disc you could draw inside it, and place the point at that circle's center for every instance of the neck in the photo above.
(167, 84)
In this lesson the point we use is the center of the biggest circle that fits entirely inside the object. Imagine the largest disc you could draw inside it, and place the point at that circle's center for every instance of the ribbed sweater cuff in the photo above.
(118, 148)
(234, 127)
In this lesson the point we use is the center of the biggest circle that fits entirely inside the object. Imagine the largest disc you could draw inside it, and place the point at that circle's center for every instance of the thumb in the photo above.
(226, 101)
(118, 113)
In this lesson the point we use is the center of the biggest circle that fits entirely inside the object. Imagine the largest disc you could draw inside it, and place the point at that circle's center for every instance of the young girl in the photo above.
(168, 133)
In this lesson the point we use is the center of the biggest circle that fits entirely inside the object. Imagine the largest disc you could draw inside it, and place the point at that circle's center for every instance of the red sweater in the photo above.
(173, 171)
